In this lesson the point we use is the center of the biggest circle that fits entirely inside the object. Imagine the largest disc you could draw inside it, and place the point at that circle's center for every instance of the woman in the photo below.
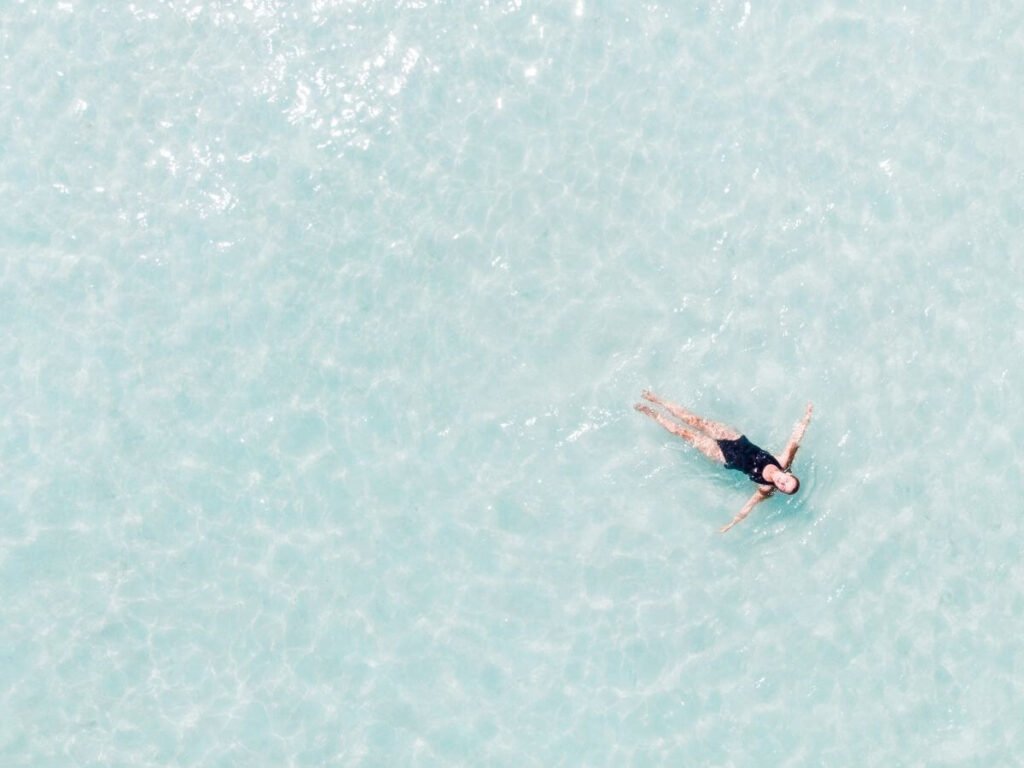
(724, 445)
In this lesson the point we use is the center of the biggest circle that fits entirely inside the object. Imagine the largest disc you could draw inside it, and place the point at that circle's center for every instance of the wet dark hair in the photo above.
(797, 481)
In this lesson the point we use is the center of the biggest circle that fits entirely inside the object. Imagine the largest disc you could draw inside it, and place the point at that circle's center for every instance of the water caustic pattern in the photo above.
(321, 324)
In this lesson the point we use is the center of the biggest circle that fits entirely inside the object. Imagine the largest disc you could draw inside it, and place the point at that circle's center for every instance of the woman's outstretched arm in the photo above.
(752, 502)
(786, 457)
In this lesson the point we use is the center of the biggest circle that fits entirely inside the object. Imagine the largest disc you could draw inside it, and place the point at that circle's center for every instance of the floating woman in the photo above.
(725, 445)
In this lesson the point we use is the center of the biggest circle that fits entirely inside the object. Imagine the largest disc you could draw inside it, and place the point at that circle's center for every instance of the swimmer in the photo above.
(724, 445)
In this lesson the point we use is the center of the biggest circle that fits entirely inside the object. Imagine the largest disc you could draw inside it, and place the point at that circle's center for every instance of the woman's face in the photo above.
(786, 482)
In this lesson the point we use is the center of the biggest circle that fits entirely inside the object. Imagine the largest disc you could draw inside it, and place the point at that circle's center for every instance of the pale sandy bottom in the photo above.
(321, 326)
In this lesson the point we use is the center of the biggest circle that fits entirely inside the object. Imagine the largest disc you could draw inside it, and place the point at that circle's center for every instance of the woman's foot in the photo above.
(650, 396)
(645, 409)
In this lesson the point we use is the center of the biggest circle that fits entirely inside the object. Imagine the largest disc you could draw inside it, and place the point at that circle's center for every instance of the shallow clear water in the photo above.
(321, 325)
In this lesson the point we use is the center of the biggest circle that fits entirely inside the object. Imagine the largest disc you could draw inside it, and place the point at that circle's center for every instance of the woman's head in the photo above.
(786, 482)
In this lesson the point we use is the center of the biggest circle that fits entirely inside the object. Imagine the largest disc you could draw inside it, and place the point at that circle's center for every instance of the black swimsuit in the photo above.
(743, 455)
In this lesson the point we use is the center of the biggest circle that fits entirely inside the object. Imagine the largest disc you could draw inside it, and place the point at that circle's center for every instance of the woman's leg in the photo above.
(716, 429)
(703, 443)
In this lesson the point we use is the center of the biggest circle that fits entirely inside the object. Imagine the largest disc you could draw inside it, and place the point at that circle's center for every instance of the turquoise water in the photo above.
(321, 324)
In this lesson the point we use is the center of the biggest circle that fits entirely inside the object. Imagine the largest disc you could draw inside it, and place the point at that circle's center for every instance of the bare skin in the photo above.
(704, 435)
